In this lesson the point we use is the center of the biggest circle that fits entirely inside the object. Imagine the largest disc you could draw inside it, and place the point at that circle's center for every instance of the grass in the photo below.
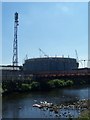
(85, 115)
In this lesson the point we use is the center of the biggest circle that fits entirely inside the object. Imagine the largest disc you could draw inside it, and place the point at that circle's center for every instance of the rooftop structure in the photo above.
(50, 64)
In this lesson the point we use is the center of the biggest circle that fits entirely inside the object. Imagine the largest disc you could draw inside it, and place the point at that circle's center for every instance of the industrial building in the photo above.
(38, 66)
(49, 64)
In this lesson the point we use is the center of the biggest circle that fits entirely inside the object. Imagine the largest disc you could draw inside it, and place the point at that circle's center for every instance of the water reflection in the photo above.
(20, 105)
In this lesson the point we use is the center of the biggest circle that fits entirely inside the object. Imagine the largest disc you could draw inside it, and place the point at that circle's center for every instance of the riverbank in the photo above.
(81, 106)
(23, 102)
(34, 85)
(85, 114)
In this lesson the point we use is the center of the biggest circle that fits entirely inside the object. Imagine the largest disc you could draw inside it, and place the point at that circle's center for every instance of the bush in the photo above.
(56, 83)
(17, 86)
(25, 87)
(9, 86)
(51, 84)
(69, 83)
(35, 86)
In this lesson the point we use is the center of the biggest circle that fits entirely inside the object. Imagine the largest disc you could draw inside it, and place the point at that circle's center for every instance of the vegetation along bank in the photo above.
(34, 85)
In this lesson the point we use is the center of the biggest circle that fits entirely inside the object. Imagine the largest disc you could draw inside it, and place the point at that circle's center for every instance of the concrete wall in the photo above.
(11, 74)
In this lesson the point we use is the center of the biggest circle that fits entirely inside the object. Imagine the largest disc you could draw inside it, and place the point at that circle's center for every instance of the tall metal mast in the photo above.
(15, 44)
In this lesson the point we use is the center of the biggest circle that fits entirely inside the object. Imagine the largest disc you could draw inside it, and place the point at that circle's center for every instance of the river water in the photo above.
(19, 105)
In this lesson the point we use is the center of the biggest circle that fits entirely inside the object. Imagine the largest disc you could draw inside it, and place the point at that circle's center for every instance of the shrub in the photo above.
(51, 84)
(35, 86)
(26, 87)
(69, 83)
(56, 83)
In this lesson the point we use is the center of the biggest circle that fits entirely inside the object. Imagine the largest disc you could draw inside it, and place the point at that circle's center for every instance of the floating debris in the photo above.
(64, 110)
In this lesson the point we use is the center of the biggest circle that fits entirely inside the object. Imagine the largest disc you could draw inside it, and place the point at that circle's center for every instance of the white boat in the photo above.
(37, 105)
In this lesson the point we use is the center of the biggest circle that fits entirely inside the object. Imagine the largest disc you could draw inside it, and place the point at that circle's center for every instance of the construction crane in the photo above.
(43, 53)
(78, 61)
(76, 55)
(26, 57)
(83, 62)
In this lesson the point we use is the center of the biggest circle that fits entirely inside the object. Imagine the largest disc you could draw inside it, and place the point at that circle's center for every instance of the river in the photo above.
(20, 105)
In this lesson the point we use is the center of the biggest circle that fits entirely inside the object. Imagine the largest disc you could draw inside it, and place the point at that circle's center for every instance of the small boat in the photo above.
(37, 105)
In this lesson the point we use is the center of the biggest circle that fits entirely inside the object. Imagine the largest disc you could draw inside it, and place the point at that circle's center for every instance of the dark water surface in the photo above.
(20, 105)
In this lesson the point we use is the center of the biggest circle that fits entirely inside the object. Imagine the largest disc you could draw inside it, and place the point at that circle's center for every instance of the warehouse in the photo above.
(49, 64)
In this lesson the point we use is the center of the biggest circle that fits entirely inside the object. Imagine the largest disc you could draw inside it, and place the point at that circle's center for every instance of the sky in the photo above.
(45, 0)
(58, 28)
